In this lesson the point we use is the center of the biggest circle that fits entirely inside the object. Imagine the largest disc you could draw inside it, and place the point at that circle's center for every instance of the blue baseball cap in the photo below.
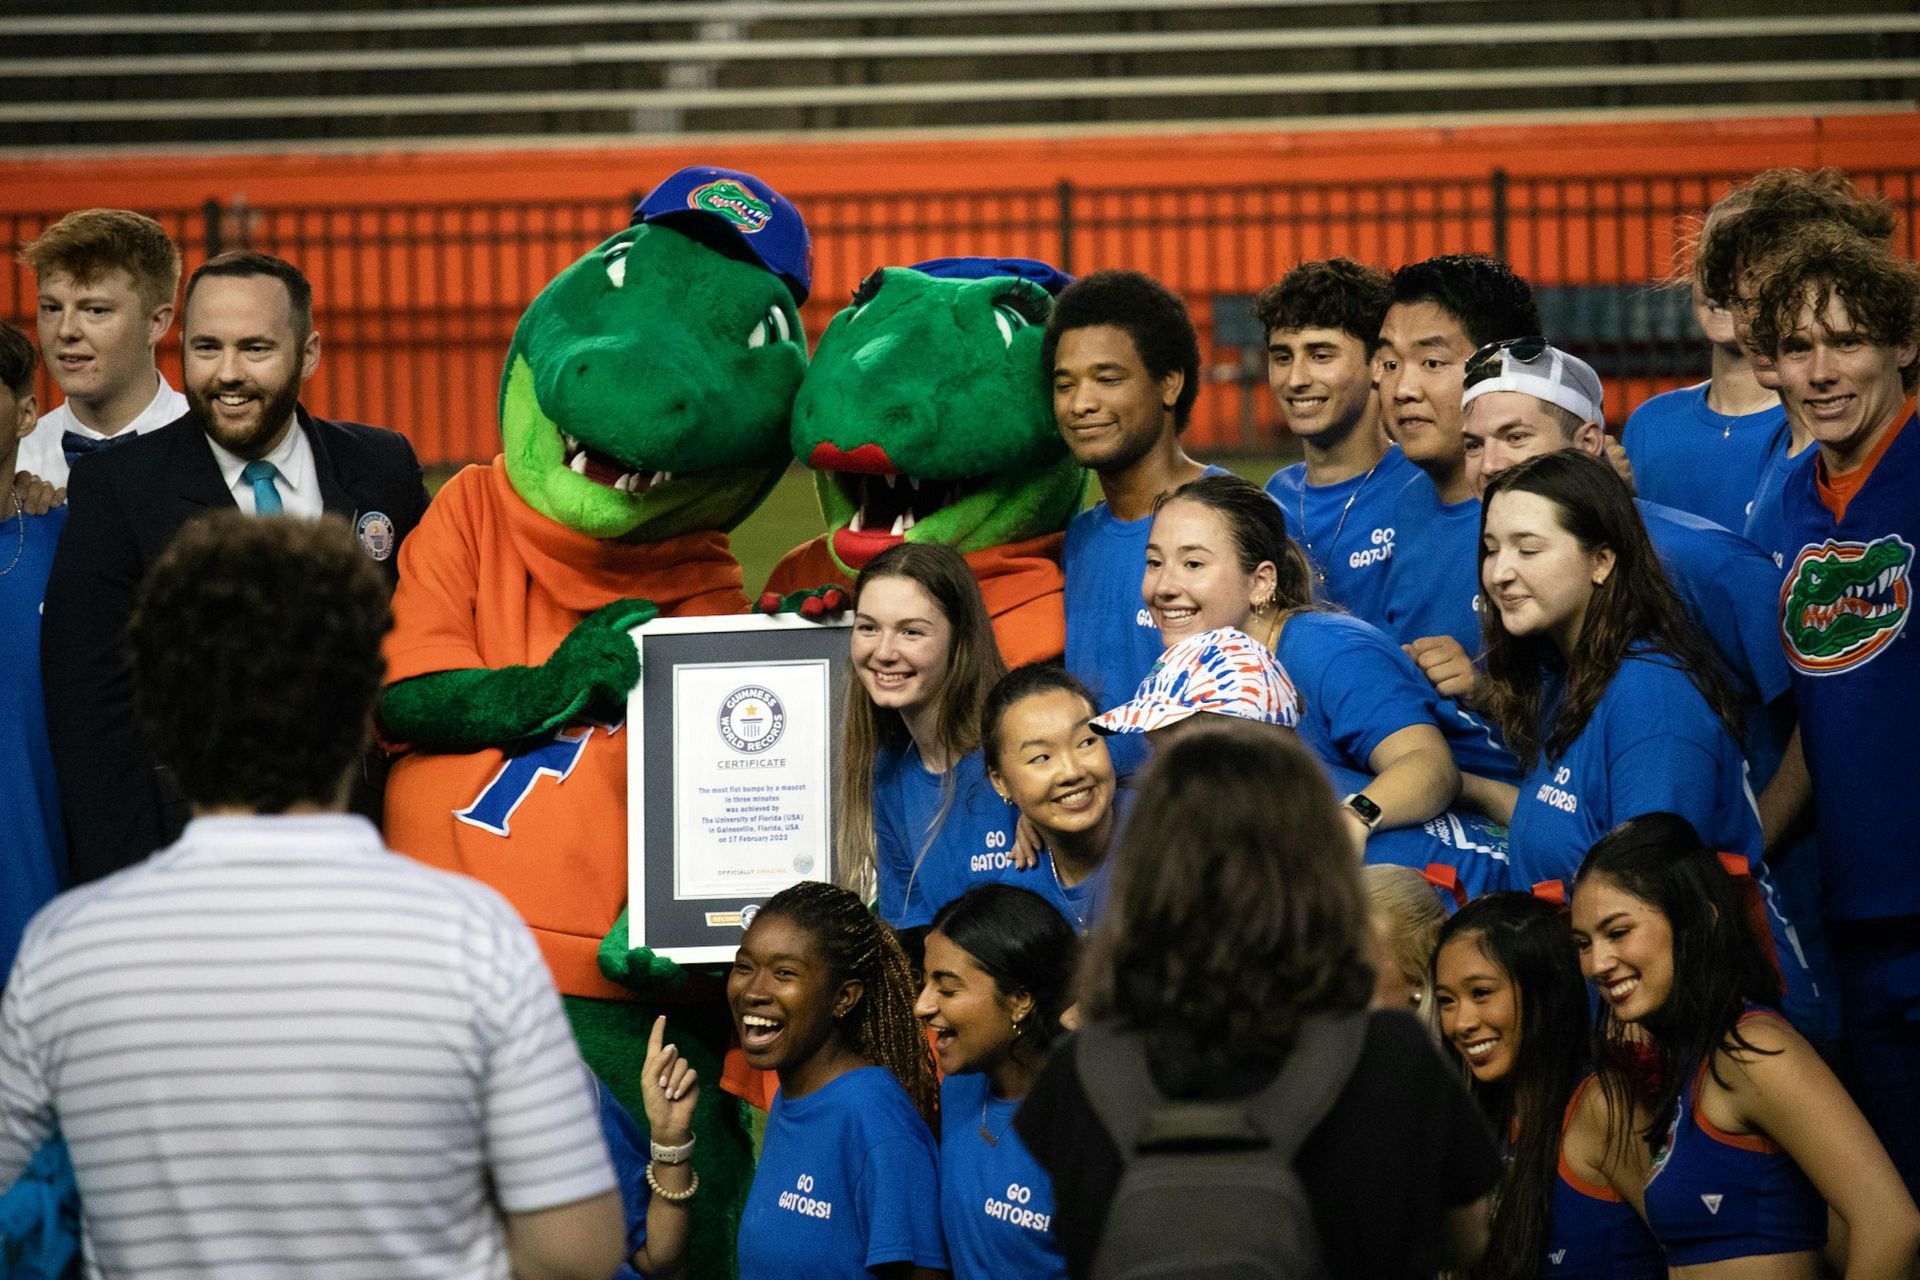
(1044, 274)
(736, 214)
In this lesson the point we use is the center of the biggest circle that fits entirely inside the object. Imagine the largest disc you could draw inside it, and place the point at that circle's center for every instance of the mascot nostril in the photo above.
(510, 661)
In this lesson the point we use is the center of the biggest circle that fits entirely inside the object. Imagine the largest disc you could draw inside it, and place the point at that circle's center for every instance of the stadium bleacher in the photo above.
(232, 74)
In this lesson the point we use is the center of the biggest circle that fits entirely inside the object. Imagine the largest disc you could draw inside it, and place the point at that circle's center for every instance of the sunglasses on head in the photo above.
(1486, 363)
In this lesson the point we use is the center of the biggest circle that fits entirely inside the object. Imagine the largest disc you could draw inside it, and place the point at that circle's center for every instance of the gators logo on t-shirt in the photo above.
(1843, 602)
(733, 202)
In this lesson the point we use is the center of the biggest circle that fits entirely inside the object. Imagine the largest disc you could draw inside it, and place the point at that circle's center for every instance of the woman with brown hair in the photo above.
(1601, 685)
(921, 823)
(1233, 932)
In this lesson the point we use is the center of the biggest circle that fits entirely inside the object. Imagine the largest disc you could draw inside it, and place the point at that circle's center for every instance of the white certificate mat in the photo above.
(749, 779)
(733, 749)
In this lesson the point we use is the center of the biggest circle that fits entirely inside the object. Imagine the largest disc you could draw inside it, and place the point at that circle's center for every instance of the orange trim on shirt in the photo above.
(1837, 492)
(1744, 1141)
(1591, 1190)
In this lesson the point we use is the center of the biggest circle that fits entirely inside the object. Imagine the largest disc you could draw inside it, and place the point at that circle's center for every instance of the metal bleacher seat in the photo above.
(410, 72)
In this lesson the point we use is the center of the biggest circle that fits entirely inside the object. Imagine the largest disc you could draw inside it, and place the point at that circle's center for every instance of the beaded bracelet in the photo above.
(673, 1197)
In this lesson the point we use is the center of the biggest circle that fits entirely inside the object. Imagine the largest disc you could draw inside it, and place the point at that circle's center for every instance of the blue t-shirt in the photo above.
(1846, 627)
(996, 1202)
(1767, 518)
(630, 1151)
(1690, 458)
(1350, 546)
(1357, 689)
(1471, 847)
(847, 1181)
(1652, 745)
(1732, 591)
(972, 844)
(1111, 640)
(1433, 580)
(32, 836)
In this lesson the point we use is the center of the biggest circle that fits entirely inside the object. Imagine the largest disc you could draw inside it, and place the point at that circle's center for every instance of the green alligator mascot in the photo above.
(644, 412)
(926, 416)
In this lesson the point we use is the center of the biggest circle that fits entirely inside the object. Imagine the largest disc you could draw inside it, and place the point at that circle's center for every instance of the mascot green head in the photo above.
(649, 386)
(926, 416)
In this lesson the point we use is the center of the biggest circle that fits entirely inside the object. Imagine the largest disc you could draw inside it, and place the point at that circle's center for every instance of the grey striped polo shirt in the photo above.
(278, 1049)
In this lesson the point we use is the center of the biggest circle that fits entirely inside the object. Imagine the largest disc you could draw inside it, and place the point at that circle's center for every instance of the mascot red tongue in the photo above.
(925, 417)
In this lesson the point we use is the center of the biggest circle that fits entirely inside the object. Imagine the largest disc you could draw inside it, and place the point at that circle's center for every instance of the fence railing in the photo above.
(416, 303)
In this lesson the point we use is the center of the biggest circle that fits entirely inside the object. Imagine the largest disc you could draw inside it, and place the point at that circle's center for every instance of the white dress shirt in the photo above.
(41, 454)
(298, 481)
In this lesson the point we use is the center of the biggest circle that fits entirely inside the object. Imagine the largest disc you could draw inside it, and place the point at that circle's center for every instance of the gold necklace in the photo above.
(993, 1140)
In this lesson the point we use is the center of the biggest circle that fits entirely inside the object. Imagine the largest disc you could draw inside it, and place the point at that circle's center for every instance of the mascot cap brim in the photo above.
(736, 214)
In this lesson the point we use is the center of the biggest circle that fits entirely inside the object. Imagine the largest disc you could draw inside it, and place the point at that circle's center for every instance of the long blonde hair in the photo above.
(974, 666)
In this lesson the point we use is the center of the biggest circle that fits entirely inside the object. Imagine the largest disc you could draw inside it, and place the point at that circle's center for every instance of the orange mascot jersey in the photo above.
(486, 581)
(1021, 582)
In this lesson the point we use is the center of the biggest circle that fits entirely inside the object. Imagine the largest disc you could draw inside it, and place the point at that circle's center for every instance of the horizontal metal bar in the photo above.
(1047, 45)
(1121, 87)
(464, 19)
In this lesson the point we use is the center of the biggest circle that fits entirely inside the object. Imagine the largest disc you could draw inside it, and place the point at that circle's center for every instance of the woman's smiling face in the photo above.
(1193, 580)
(782, 995)
(1535, 572)
(972, 1020)
(901, 643)
(1051, 763)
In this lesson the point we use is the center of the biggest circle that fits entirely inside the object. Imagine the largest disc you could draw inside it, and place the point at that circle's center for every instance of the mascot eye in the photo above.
(1009, 319)
(615, 261)
(867, 291)
(773, 327)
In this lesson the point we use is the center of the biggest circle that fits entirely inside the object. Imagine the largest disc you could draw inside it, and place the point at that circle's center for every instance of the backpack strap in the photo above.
(1316, 1072)
(1112, 1065)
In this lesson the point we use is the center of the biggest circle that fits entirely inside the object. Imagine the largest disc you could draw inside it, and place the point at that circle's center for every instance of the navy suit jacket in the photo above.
(127, 503)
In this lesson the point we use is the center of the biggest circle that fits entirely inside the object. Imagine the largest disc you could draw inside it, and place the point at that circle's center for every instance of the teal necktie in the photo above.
(266, 498)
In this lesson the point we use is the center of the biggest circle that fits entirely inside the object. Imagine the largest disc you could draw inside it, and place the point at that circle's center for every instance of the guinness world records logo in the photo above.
(752, 719)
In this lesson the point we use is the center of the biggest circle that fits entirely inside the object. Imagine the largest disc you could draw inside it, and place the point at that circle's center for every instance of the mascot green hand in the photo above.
(644, 411)
(926, 417)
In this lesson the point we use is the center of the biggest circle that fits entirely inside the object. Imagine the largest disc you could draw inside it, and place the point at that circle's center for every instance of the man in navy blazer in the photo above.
(250, 346)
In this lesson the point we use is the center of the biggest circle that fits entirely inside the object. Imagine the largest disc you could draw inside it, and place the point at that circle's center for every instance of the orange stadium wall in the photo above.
(422, 261)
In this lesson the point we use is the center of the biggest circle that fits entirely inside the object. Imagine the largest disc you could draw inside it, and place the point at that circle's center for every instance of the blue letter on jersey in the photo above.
(553, 758)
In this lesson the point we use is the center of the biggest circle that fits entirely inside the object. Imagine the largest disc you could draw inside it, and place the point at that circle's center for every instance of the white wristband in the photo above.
(673, 1155)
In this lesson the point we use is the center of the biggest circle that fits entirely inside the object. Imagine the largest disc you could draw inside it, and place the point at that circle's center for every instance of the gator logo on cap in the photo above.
(1843, 602)
(735, 203)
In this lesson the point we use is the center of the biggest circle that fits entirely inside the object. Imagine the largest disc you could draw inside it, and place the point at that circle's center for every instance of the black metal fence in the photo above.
(416, 302)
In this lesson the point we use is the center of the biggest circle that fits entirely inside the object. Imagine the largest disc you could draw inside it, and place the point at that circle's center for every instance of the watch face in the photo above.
(1366, 808)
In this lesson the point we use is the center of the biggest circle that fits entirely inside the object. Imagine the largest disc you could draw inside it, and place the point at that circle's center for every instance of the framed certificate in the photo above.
(732, 758)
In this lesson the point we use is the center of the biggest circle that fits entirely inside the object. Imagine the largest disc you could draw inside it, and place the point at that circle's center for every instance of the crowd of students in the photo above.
(1588, 764)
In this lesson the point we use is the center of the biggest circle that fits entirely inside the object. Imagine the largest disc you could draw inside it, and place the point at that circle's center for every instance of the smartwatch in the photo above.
(673, 1155)
(1365, 809)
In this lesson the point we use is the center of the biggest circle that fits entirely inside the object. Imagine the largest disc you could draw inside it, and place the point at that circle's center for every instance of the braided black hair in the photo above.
(859, 946)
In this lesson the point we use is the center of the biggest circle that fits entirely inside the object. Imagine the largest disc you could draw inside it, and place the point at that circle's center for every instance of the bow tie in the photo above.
(75, 445)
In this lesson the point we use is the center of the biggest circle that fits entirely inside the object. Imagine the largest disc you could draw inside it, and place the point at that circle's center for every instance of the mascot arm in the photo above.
(595, 667)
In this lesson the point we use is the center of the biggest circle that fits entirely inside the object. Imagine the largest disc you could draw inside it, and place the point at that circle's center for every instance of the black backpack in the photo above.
(1207, 1188)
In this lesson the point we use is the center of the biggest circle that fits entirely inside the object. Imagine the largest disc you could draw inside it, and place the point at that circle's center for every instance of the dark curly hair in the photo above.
(1748, 223)
(1334, 293)
(1147, 311)
(1822, 261)
(857, 945)
(18, 360)
(1483, 294)
(256, 655)
(1233, 913)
